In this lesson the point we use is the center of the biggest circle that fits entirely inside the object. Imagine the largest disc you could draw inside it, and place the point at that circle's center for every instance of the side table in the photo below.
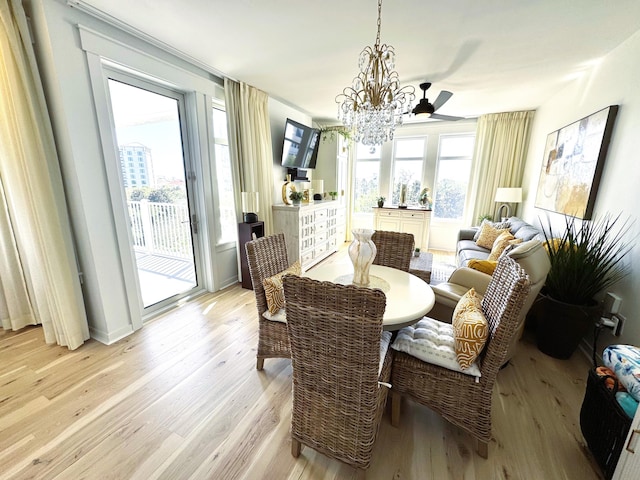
(421, 266)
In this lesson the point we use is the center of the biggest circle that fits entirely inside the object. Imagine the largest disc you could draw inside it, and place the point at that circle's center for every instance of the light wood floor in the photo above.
(181, 399)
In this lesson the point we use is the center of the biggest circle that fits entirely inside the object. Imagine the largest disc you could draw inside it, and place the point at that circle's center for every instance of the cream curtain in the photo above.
(250, 144)
(500, 152)
(38, 273)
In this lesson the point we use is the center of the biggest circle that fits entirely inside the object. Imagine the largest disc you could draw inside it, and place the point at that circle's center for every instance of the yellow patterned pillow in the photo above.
(488, 235)
(484, 266)
(500, 243)
(470, 330)
(469, 301)
(273, 287)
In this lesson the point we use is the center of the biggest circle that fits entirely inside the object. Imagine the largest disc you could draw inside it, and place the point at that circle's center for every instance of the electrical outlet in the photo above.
(617, 331)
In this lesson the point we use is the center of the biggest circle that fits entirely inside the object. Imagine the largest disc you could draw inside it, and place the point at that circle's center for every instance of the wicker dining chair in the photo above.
(462, 399)
(394, 249)
(339, 354)
(267, 256)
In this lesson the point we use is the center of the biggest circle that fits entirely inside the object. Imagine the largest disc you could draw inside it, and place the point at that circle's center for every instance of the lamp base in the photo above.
(250, 218)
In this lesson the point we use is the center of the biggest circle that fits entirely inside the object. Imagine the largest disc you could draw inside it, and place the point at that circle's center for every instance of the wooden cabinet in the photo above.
(246, 231)
(312, 231)
(406, 220)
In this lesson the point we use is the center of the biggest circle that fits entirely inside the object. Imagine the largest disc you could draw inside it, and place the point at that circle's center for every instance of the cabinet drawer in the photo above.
(306, 257)
(320, 249)
(412, 214)
(321, 215)
(390, 213)
(320, 227)
(320, 237)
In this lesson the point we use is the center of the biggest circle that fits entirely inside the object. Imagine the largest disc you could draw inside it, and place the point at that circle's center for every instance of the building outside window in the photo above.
(455, 154)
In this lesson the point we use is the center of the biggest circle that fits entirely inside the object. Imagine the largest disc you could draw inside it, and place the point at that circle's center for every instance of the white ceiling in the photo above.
(494, 55)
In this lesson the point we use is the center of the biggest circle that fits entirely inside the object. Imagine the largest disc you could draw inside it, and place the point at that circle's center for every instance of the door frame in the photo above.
(138, 312)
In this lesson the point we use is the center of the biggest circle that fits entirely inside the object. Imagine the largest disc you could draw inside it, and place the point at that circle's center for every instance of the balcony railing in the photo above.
(161, 228)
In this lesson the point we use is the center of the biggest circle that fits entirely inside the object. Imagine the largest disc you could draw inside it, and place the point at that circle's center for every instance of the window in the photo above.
(224, 177)
(367, 178)
(455, 153)
(408, 161)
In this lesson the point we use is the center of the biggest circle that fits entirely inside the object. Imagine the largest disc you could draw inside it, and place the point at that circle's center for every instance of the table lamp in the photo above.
(250, 206)
(506, 196)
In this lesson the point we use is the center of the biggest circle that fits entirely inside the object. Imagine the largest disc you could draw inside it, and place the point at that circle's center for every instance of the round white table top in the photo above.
(409, 298)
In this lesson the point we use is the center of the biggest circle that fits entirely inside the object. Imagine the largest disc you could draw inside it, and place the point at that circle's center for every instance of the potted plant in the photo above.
(296, 197)
(381, 202)
(333, 195)
(416, 252)
(585, 261)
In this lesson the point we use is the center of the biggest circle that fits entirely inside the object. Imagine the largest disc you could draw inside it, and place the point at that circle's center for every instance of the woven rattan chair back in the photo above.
(462, 399)
(335, 333)
(266, 257)
(394, 249)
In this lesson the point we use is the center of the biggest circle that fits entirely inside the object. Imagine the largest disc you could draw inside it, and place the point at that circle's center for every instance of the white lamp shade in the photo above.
(250, 202)
(318, 186)
(508, 195)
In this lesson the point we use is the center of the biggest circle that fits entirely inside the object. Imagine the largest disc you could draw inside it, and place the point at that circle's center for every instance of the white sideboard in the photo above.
(312, 231)
(405, 220)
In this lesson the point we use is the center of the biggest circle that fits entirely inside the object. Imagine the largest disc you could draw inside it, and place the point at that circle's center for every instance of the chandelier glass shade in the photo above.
(373, 105)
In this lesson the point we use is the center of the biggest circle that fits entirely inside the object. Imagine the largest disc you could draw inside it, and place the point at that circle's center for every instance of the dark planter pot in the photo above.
(560, 326)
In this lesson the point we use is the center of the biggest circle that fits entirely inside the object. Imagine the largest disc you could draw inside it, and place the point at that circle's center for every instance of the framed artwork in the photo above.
(572, 164)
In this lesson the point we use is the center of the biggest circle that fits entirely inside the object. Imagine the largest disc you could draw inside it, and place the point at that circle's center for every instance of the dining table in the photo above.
(409, 298)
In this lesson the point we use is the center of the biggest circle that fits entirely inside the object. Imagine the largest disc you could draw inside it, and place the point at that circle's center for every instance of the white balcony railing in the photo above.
(161, 228)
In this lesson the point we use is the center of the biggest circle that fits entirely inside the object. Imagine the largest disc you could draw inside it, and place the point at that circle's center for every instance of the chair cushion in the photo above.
(432, 341)
(488, 235)
(279, 316)
(484, 266)
(470, 328)
(273, 290)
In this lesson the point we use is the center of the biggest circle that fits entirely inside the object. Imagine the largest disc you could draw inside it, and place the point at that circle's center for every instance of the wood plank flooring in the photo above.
(181, 399)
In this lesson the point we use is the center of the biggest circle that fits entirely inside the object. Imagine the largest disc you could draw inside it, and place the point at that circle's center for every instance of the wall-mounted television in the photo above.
(300, 147)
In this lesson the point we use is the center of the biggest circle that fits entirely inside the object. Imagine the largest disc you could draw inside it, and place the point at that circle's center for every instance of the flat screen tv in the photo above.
(300, 146)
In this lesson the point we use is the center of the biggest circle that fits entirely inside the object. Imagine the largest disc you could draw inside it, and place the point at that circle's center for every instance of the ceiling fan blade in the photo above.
(437, 116)
(442, 99)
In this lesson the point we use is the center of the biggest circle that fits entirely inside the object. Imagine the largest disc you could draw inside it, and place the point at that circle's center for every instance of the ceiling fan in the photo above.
(424, 107)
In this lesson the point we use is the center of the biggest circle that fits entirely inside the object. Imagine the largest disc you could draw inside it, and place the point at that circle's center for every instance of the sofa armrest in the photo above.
(467, 233)
(469, 278)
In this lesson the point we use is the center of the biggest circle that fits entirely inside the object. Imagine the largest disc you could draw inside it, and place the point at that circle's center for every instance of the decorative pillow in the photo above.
(488, 235)
(500, 244)
(432, 341)
(273, 287)
(499, 225)
(484, 266)
(470, 329)
(468, 302)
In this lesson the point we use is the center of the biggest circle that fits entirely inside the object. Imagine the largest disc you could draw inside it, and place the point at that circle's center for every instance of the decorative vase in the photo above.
(362, 252)
(287, 188)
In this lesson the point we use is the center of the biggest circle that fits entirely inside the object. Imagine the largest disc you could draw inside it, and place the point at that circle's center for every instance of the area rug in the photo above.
(440, 272)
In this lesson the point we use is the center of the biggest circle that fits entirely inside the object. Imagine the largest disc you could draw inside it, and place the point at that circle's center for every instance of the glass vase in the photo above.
(362, 252)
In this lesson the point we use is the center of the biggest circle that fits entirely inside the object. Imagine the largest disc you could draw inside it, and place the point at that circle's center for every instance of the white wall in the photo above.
(614, 81)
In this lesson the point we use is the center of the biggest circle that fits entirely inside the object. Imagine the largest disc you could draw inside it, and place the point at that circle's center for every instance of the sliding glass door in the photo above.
(155, 184)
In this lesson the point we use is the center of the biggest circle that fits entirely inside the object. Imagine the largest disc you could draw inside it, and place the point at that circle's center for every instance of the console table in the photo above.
(405, 220)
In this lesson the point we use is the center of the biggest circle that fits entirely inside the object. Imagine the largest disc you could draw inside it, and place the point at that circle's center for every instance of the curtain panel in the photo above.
(502, 140)
(38, 275)
(250, 144)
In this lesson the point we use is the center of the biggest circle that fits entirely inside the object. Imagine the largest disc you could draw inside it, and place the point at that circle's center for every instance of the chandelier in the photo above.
(373, 105)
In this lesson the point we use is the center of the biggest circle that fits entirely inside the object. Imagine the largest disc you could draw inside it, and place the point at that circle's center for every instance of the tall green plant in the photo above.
(586, 259)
